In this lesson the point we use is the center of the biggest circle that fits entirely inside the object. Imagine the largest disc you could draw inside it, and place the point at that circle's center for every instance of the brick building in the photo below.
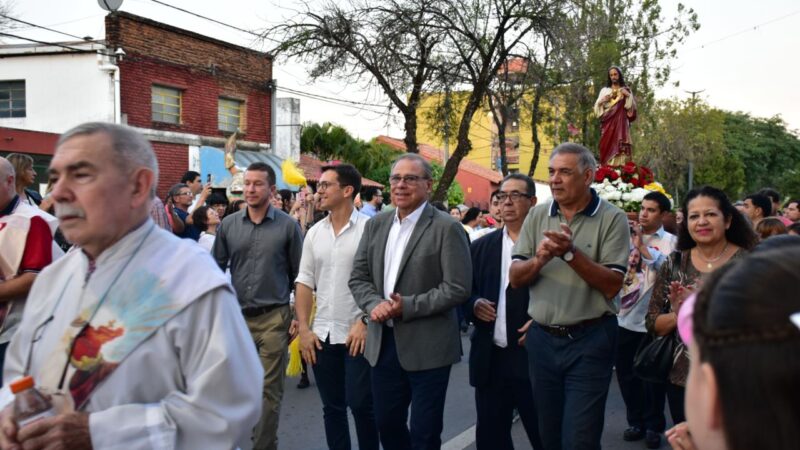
(183, 90)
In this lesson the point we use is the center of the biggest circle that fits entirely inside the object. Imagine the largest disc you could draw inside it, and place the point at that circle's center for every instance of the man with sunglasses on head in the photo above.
(411, 270)
(498, 361)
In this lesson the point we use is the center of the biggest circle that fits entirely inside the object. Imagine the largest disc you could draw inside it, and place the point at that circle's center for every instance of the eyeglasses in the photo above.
(408, 179)
(183, 193)
(324, 185)
(514, 196)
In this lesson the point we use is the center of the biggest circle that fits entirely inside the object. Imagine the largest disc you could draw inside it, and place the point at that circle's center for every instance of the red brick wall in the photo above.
(202, 68)
(199, 99)
(481, 189)
(173, 162)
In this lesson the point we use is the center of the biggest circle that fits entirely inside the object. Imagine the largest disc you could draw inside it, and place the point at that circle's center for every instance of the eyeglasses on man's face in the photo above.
(184, 193)
(324, 185)
(514, 196)
(410, 180)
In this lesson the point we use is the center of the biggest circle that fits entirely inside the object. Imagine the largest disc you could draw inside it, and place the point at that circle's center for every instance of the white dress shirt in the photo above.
(500, 333)
(326, 265)
(396, 243)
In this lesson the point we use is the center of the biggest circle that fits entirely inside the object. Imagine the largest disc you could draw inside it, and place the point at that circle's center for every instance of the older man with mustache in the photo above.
(135, 352)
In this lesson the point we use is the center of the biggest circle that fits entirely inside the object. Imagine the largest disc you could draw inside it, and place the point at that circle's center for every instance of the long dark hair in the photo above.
(740, 232)
(742, 327)
(621, 77)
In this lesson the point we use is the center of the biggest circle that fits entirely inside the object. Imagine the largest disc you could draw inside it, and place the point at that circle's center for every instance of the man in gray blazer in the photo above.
(411, 270)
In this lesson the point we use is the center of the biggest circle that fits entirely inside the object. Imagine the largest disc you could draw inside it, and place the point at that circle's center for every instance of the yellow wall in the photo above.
(482, 134)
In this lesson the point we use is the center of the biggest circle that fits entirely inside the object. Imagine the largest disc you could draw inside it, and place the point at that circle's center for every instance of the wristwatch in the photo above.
(569, 255)
(365, 319)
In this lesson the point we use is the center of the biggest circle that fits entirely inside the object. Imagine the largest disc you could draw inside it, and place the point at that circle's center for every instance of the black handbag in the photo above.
(654, 358)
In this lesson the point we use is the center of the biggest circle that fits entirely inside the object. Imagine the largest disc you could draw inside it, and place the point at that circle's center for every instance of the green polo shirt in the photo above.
(559, 296)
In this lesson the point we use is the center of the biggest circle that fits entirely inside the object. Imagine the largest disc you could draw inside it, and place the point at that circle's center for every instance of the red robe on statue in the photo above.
(615, 135)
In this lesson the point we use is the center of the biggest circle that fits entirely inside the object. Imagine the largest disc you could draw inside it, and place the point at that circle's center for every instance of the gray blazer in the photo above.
(434, 278)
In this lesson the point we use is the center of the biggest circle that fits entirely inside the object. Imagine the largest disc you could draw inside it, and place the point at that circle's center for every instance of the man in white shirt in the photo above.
(136, 333)
(334, 344)
(644, 402)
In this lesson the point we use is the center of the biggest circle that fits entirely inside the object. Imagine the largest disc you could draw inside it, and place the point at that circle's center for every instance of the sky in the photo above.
(743, 58)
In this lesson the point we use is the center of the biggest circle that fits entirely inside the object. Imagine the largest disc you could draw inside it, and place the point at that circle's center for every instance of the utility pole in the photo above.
(691, 161)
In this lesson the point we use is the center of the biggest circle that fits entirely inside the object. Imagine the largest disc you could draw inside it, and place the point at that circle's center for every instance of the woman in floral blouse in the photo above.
(712, 234)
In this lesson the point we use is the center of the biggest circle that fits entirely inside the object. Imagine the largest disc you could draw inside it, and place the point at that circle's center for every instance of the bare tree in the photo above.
(481, 34)
(385, 43)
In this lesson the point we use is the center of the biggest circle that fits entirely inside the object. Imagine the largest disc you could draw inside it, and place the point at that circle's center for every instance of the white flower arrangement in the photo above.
(624, 195)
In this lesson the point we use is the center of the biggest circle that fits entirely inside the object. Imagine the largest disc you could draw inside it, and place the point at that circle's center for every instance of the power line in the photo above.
(745, 30)
(333, 98)
(55, 44)
(44, 28)
(216, 21)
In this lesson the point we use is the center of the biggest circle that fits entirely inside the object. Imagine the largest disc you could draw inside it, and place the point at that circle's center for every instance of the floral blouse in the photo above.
(678, 267)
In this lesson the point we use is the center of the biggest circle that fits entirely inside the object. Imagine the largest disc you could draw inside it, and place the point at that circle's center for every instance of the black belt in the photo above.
(259, 310)
(568, 330)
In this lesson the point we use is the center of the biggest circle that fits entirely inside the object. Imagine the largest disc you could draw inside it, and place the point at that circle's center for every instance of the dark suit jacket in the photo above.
(486, 263)
(434, 278)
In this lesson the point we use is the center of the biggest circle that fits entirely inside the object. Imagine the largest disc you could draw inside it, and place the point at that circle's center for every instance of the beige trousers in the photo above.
(270, 332)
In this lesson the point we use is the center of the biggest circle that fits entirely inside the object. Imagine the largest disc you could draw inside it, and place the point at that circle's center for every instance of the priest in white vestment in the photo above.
(137, 333)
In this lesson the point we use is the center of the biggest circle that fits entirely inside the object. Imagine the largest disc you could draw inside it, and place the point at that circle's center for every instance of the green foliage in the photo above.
(328, 141)
(768, 150)
(735, 152)
(678, 132)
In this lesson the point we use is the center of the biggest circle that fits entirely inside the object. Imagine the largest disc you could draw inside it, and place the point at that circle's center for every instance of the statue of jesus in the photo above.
(616, 109)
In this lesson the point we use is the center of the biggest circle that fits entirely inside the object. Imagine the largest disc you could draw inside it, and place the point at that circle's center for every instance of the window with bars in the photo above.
(229, 114)
(166, 104)
(12, 98)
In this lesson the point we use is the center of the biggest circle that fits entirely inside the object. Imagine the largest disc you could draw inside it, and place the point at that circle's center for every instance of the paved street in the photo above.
(301, 425)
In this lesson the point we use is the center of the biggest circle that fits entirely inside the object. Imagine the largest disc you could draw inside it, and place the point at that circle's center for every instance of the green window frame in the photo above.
(229, 114)
(166, 104)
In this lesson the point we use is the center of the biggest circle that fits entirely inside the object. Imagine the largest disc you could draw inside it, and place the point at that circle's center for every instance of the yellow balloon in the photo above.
(291, 174)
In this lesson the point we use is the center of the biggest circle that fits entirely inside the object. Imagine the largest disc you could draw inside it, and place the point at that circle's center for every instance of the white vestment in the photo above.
(165, 359)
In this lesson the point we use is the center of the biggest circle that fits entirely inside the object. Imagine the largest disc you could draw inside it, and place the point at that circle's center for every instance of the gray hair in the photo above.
(586, 160)
(530, 186)
(131, 150)
(426, 166)
(6, 168)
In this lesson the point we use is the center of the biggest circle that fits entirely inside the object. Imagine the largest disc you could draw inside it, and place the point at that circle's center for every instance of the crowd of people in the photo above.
(165, 323)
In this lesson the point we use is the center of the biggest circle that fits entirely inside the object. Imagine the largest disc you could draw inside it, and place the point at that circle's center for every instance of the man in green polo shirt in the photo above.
(572, 252)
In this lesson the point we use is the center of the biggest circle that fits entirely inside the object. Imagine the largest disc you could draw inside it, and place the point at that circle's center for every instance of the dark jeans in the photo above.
(639, 396)
(394, 389)
(674, 394)
(570, 377)
(495, 403)
(344, 381)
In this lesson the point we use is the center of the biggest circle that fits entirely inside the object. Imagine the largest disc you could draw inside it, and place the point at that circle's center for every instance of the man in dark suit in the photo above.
(411, 270)
(498, 361)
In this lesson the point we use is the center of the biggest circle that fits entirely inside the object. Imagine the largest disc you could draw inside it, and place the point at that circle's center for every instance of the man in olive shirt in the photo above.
(572, 253)
(263, 246)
